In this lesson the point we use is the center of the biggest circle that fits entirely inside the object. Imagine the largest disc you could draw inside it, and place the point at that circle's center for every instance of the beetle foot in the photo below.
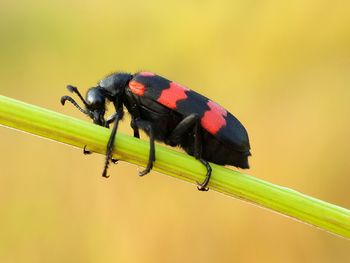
(202, 187)
(146, 171)
(86, 152)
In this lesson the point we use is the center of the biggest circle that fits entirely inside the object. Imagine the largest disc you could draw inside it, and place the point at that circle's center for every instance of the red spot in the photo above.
(137, 88)
(170, 96)
(146, 74)
(213, 120)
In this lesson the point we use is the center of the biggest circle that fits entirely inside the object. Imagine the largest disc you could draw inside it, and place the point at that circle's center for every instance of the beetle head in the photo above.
(94, 103)
(111, 87)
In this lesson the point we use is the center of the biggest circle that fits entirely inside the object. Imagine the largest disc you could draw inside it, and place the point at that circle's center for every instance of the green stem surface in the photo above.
(72, 131)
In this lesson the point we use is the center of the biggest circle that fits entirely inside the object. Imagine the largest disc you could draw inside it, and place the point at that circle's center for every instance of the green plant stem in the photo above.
(56, 126)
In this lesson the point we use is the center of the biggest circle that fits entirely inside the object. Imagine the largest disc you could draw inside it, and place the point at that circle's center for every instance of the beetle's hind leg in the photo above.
(203, 186)
(198, 154)
(191, 122)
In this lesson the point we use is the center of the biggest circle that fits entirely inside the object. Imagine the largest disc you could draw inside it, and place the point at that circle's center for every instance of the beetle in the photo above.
(170, 113)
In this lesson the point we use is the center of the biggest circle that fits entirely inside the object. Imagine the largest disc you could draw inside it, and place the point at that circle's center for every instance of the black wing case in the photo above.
(214, 118)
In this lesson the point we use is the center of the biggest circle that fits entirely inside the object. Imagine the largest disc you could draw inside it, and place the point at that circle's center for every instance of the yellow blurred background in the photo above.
(281, 67)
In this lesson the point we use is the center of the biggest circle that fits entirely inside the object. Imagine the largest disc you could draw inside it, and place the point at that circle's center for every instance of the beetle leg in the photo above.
(191, 122)
(110, 119)
(136, 124)
(147, 127)
(86, 152)
(197, 154)
(203, 186)
(135, 128)
(184, 126)
(110, 144)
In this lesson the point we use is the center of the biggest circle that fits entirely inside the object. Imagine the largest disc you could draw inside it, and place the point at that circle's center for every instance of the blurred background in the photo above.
(281, 67)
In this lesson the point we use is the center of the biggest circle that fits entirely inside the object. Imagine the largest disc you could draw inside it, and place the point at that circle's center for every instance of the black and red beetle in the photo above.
(171, 113)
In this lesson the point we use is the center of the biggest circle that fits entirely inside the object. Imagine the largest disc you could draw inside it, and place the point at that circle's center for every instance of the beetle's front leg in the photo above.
(110, 145)
(110, 119)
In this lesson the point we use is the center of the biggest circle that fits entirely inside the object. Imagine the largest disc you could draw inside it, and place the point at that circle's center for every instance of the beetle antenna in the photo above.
(76, 91)
(64, 98)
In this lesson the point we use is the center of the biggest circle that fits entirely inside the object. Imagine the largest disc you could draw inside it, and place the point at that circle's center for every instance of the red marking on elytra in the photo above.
(137, 88)
(213, 120)
(147, 74)
(170, 96)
